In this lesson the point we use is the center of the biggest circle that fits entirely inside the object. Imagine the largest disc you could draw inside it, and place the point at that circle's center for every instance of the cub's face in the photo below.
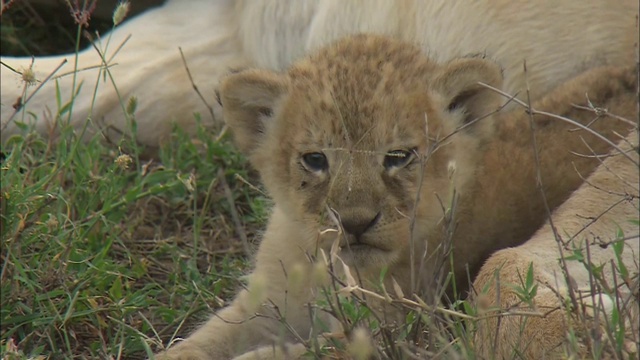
(355, 143)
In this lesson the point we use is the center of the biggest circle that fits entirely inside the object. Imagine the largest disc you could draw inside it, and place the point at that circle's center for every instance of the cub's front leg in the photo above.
(272, 310)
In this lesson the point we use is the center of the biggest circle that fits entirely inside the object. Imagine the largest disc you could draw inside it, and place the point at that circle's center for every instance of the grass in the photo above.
(95, 254)
(107, 254)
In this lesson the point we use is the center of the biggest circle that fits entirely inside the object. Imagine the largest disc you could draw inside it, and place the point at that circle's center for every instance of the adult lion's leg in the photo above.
(542, 330)
(604, 206)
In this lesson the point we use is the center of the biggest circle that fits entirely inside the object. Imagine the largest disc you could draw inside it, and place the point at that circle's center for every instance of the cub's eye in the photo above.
(397, 158)
(315, 161)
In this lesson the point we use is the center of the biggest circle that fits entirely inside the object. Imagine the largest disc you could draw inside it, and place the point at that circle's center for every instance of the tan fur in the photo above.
(558, 39)
(605, 204)
(356, 102)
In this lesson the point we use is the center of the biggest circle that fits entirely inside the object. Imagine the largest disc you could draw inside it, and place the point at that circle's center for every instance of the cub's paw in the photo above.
(289, 352)
(183, 353)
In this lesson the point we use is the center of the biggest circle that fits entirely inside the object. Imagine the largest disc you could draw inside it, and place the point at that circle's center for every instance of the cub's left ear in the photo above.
(248, 100)
(458, 83)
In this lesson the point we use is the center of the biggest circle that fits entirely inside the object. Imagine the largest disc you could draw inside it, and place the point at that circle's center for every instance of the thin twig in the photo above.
(195, 87)
(234, 213)
(533, 111)
(540, 187)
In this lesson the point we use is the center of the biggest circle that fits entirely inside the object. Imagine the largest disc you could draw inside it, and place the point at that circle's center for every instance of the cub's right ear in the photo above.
(248, 101)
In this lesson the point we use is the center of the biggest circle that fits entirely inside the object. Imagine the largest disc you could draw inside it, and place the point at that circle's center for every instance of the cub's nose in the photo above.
(358, 223)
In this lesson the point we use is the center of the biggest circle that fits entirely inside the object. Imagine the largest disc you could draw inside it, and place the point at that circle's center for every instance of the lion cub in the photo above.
(379, 159)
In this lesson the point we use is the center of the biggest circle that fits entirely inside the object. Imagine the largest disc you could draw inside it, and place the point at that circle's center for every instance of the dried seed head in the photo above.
(451, 169)
(52, 222)
(320, 276)
(123, 161)
(120, 12)
(190, 182)
(297, 277)
(360, 347)
(29, 76)
(82, 14)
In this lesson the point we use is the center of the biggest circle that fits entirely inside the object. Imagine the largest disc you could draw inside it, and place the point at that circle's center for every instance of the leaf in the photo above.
(383, 274)
(116, 289)
(576, 256)
(397, 289)
(618, 248)
(529, 280)
(132, 105)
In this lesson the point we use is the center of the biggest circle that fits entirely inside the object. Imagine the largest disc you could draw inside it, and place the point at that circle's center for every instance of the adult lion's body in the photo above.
(598, 217)
(374, 154)
(558, 39)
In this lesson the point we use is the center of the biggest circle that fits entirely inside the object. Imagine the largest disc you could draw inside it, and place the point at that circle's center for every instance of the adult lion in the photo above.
(572, 298)
(558, 39)
(385, 161)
